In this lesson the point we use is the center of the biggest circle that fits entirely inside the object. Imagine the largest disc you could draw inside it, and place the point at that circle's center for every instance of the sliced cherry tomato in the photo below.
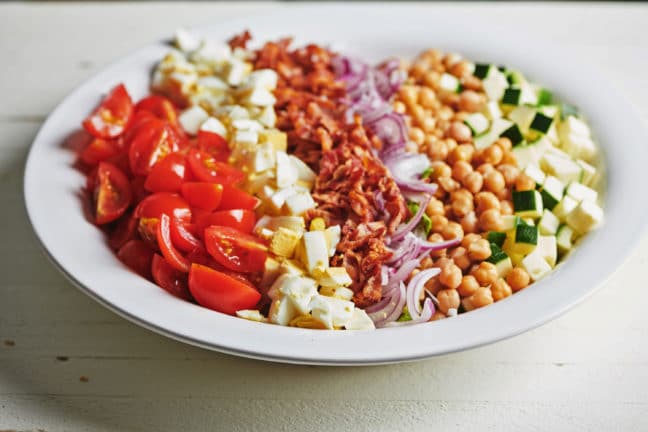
(147, 229)
(217, 291)
(139, 191)
(205, 168)
(99, 150)
(206, 196)
(111, 118)
(170, 279)
(124, 231)
(120, 160)
(234, 198)
(167, 175)
(242, 220)
(234, 249)
(214, 145)
(173, 257)
(153, 206)
(112, 193)
(159, 106)
(182, 237)
(152, 142)
(137, 256)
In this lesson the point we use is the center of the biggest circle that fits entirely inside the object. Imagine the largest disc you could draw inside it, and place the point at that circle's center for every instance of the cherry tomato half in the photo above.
(173, 257)
(111, 118)
(153, 206)
(167, 175)
(214, 145)
(235, 198)
(182, 237)
(242, 220)
(207, 169)
(234, 249)
(151, 142)
(112, 193)
(137, 256)
(160, 107)
(99, 150)
(124, 231)
(217, 291)
(170, 279)
(205, 196)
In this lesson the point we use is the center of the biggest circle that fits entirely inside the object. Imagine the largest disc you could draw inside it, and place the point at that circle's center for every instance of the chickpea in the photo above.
(504, 194)
(460, 132)
(448, 299)
(485, 168)
(461, 169)
(462, 206)
(500, 289)
(471, 83)
(473, 182)
(448, 184)
(460, 69)
(399, 107)
(452, 231)
(418, 68)
(518, 279)
(460, 257)
(479, 250)
(460, 116)
(408, 94)
(435, 207)
(482, 297)
(450, 276)
(486, 201)
(462, 152)
(462, 194)
(418, 115)
(469, 222)
(439, 222)
(426, 97)
(438, 315)
(504, 143)
(509, 158)
(440, 169)
(437, 149)
(494, 181)
(446, 113)
(411, 147)
(490, 220)
(442, 263)
(436, 238)
(509, 172)
(417, 135)
(433, 55)
(506, 207)
(428, 124)
(492, 155)
(433, 285)
(448, 211)
(431, 79)
(468, 286)
(485, 273)
(470, 101)
(524, 183)
(470, 239)
(426, 263)
(450, 59)
(450, 143)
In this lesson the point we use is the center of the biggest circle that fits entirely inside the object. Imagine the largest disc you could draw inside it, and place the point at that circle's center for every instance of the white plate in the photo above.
(79, 250)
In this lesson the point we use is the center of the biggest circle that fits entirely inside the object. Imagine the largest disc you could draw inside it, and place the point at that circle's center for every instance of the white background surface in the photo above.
(585, 371)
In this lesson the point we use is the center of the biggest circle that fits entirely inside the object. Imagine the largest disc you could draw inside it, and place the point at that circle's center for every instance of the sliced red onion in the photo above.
(403, 229)
(426, 315)
(391, 130)
(407, 168)
(415, 289)
(398, 310)
(384, 275)
(386, 307)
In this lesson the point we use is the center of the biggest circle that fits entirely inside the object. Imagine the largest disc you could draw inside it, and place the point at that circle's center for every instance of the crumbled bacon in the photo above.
(353, 187)
(240, 40)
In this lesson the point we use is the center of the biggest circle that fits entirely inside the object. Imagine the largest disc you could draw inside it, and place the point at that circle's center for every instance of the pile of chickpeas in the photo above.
(474, 185)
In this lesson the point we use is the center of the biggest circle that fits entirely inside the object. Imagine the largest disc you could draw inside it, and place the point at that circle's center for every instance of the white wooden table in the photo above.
(68, 364)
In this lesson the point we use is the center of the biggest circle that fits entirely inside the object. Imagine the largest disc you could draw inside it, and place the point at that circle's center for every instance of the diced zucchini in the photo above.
(483, 70)
(478, 123)
(536, 265)
(581, 192)
(548, 249)
(496, 237)
(585, 217)
(450, 83)
(544, 97)
(567, 110)
(564, 237)
(514, 134)
(550, 110)
(541, 123)
(486, 139)
(564, 207)
(512, 96)
(501, 260)
(509, 222)
(549, 223)
(527, 203)
(589, 173)
(565, 169)
(579, 146)
(494, 84)
(552, 192)
(515, 77)
(536, 174)
(532, 153)
(525, 240)
(492, 110)
(522, 116)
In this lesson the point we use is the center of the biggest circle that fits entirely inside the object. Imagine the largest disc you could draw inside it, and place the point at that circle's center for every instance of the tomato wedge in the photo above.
(112, 193)
(111, 118)
(206, 196)
(214, 145)
(234, 249)
(182, 237)
(137, 256)
(207, 169)
(235, 198)
(173, 257)
(160, 107)
(152, 141)
(147, 229)
(153, 206)
(217, 291)
(170, 279)
(99, 150)
(167, 175)
(124, 231)
(242, 220)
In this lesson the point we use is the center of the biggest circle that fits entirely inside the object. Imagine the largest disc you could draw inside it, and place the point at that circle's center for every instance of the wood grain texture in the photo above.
(585, 371)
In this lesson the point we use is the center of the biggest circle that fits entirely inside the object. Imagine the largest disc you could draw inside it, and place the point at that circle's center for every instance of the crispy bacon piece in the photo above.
(353, 187)
(240, 40)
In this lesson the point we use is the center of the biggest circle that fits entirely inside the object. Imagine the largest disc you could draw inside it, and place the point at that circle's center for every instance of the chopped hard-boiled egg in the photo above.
(192, 119)
(359, 321)
(331, 311)
(315, 252)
